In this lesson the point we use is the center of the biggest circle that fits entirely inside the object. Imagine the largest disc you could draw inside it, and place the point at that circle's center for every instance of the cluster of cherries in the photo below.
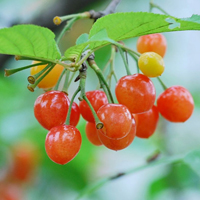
(134, 115)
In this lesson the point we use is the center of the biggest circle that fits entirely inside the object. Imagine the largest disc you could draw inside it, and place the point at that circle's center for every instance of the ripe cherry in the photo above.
(175, 104)
(137, 92)
(151, 64)
(116, 119)
(97, 99)
(146, 123)
(153, 42)
(63, 143)
(51, 78)
(91, 133)
(75, 114)
(51, 108)
(118, 144)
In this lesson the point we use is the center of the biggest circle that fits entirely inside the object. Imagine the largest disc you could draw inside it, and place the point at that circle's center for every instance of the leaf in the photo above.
(82, 38)
(121, 26)
(29, 41)
(98, 39)
(192, 159)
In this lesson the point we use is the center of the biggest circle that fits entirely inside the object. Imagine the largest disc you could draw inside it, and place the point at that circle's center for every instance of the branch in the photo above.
(110, 9)
(160, 162)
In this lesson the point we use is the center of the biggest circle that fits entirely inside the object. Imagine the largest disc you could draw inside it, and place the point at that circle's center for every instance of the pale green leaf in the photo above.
(82, 38)
(121, 26)
(29, 41)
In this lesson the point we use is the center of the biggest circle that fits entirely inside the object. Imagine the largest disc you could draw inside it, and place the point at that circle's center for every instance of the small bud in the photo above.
(17, 58)
(31, 79)
(57, 20)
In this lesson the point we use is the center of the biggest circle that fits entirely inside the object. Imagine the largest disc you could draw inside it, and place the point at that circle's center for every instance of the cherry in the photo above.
(91, 133)
(153, 42)
(175, 104)
(118, 144)
(151, 64)
(116, 119)
(51, 78)
(63, 143)
(25, 157)
(137, 92)
(147, 122)
(97, 99)
(75, 114)
(51, 108)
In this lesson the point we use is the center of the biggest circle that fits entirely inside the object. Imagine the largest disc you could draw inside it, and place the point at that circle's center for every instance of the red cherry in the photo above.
(97, 98)
(51, 109)
(146, 122)
(153, 42)
(75, 114)
(91, 133)
(137, 92)
(175, 104)
(63, 143)
(118, 144)
(116, 119)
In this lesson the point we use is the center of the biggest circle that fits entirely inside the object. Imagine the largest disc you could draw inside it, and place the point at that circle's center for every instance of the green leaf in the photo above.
(82, 38)
(193, 161)
(121, 26)
(29, 41)
(96, 40)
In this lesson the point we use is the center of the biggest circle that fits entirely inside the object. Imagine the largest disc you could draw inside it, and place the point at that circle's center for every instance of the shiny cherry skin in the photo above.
(97, 99)
(51, 78)
(116, 119)
(151, 64)
(175, 104)
(153, 42)
(118, 144)
(136, 92)
(147, 122)
(91, 133)
(75, 114)
(63, 143)
(51, 109)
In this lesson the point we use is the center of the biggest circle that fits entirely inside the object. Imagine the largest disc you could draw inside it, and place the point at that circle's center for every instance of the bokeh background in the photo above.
(50, 181)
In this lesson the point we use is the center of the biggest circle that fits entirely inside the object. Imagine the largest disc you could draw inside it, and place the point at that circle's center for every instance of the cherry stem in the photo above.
(82, 76)
(125, 48)
(153, 5)
(32, 86)
(102, 80)
(162, 84)
(66, 28)
(9, 72)
(84, 58)
(125, 62)
(78, 15)
(70, 105)
(67, 84)
(33, 78)
(59, 80)
(136, 60)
